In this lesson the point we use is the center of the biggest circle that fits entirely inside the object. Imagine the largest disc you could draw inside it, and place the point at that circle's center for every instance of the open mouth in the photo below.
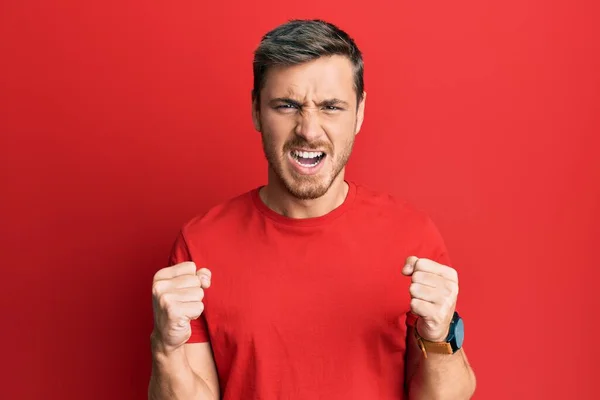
(308, 159)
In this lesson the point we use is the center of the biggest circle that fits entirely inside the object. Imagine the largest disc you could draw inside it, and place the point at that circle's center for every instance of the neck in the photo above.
(276, 196)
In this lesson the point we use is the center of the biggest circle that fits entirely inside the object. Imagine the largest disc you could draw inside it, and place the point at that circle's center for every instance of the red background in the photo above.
(119, 121)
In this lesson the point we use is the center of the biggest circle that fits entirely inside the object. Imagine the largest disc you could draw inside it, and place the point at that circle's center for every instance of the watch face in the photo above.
(459, 333)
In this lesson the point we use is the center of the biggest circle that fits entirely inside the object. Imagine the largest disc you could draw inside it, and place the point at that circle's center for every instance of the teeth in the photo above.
(307, 154)
(307, 165)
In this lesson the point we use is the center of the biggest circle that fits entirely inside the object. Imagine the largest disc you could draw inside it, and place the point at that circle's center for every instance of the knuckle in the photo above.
(189, 281)
(418, 276)
(171, 311)
(158, 273)
(157, 288)
(165, 302)
(452, 289)
(454, 274)
(190, 268)
(446, 306)
(196, 311)
(414, 303)
(162, 304)
(448, 289)
(413, 289)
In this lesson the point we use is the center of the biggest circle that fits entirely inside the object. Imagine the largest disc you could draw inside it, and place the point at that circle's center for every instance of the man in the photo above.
(312, 286)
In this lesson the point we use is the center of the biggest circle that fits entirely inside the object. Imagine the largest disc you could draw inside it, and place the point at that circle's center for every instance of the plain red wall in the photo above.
(118, 122)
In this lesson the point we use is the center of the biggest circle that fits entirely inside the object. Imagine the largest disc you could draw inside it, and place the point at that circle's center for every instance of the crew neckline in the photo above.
(312, 221)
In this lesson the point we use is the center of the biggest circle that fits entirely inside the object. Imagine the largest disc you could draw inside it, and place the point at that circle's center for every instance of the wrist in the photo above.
(162, 352)
(448, 344)
(436, 338)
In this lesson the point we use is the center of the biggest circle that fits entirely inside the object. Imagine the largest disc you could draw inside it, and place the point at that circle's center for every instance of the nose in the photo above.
(308, 125)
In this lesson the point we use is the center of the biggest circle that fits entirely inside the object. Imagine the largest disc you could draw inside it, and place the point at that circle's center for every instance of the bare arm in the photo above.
(439, 376)
(180, 370)
(188, 372)
(434, 292)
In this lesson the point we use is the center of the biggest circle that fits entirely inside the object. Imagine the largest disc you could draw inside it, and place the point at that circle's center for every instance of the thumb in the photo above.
(205, 277)
(409, 267)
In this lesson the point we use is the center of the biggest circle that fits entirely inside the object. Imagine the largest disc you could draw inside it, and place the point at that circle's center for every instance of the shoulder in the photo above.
(218, 223)
(227, 214)
(389, 206)
(404, 221)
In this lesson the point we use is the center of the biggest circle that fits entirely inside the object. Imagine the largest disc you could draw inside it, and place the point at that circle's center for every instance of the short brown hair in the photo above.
(300, 41)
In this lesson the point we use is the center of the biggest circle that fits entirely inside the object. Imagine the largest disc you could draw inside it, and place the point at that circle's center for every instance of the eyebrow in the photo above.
(326, 103)
(335, 102)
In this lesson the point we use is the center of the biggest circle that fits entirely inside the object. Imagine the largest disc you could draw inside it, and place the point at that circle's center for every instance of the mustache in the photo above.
(303, 143)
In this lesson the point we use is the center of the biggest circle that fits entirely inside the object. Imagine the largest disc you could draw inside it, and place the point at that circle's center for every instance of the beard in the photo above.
(306, 187)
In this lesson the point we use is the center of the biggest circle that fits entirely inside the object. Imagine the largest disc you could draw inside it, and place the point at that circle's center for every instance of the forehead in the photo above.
(325, 77)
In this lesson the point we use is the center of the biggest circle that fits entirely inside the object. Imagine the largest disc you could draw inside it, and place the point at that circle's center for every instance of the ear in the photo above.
(360, 113)
(256, 114)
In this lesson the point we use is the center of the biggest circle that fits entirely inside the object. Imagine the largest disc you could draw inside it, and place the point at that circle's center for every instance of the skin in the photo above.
(312, 106)
(180, 370)
(434, 293)
(298, 110)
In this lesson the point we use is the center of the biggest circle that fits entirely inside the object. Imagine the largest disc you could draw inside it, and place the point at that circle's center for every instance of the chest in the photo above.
(322, 290)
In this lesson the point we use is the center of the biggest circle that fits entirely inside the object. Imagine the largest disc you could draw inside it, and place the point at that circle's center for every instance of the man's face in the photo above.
(308, 119)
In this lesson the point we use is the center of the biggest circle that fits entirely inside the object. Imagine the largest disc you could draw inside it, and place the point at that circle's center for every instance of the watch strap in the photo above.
(427, 346)
(433, 347)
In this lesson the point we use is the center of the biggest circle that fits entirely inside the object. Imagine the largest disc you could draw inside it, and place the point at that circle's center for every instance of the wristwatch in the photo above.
(453, 342)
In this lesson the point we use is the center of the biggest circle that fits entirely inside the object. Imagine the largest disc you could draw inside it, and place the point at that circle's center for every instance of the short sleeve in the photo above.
(438, 251)
(180, 253)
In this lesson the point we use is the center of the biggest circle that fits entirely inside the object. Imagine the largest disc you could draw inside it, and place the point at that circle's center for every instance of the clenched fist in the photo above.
(177, 294)
(433, 292)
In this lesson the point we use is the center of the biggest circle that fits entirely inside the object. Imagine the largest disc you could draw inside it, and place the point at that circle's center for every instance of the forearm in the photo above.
(440, 376)
(173, 378)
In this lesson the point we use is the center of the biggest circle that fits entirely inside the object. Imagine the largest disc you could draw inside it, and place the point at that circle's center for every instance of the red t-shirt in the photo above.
(308, 308)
